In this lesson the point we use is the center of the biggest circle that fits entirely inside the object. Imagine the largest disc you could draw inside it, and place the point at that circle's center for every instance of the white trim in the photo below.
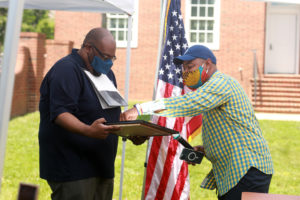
(134, 41)
(274, 8)
(279, 1)
(216, 33)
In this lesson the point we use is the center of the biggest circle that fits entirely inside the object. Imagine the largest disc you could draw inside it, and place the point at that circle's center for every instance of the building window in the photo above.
(117, 24)
(203, 22)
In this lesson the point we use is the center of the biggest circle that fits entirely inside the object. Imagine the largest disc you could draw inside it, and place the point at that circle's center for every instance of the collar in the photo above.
(78, 58)
(214, 74)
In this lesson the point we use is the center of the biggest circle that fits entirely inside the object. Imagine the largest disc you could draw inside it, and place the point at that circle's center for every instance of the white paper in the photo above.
(107, 93)
(102, 82)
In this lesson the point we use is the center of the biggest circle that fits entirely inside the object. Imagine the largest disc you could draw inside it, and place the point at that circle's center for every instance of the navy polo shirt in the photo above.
(67, 156)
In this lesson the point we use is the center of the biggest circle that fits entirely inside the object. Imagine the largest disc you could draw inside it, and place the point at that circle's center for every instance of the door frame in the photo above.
(277, 8)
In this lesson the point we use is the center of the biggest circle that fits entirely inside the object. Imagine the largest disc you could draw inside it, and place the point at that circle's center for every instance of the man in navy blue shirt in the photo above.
(77, 153)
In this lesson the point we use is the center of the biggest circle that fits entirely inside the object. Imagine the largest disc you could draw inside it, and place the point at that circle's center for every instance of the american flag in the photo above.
(167, 176)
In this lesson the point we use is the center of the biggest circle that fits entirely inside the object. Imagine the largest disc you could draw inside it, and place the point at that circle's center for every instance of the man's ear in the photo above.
(209, 61)
(87, 48)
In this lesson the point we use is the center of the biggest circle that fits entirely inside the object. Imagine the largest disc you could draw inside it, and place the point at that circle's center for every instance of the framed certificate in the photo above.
(141, 128)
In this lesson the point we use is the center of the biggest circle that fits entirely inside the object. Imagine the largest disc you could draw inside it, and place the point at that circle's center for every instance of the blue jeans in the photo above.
(253, 181)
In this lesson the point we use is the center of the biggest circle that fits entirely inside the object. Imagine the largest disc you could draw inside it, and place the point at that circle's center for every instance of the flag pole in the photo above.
(161, 35)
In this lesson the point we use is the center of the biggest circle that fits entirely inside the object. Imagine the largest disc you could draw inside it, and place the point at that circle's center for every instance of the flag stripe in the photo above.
(169, 160)
(193, 124)
(167, 169)
(195, 133)
(153, 155)
(181, 179)
(168, 90)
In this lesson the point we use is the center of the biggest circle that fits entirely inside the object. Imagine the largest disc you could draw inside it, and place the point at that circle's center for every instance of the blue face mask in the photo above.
(101, 66)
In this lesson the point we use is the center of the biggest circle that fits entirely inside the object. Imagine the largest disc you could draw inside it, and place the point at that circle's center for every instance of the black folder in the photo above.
(141, 128)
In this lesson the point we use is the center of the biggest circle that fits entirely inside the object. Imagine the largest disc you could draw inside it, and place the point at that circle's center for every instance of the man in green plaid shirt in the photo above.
(232, 138)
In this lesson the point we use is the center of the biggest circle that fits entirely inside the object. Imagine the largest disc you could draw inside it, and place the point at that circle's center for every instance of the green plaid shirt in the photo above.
(231, 135)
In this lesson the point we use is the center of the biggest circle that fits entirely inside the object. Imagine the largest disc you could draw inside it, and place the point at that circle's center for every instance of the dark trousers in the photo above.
(253, 181)
(86, 189)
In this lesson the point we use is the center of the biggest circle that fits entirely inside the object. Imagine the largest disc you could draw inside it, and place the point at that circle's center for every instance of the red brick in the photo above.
(242, 29)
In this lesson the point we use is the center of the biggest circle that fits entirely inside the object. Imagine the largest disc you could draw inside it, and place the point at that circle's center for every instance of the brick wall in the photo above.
(55, 50)
(36, 55)
(242, 29)
(144, 57)
(73, 26)
(19, 100)
(28, 73)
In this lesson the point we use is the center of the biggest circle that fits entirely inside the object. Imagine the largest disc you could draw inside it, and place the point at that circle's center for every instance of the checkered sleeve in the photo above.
(209, 182)
(212, 94)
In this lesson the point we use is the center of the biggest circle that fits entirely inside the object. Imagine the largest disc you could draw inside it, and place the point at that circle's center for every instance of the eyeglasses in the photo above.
(105, 57)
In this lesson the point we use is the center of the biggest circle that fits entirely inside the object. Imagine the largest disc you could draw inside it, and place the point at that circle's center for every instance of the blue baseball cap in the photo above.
(196, 51)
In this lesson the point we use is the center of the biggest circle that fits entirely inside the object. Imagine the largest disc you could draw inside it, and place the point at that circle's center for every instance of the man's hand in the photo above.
(99, 130)
(137, 140)
(96, 130)
(197, 148)
(128, 115)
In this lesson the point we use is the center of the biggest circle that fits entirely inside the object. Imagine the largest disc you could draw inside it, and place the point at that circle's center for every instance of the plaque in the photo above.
(141, 128)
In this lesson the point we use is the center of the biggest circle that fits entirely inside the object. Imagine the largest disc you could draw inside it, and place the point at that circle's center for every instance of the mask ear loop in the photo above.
(203, 67)
(206, 72)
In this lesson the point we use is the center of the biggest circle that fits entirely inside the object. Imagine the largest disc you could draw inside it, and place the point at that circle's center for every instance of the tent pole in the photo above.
(128, 56)
(7, 77)
(161, 35)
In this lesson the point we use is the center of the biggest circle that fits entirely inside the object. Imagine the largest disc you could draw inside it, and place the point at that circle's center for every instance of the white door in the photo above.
(281, 43)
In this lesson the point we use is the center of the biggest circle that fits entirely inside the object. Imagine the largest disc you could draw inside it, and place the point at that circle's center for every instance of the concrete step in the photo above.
(277, 110)
(277, 85)
(279, 80)
(281, 76)
(277, 89)
(277, 104)
(276, 94)
(279, 99)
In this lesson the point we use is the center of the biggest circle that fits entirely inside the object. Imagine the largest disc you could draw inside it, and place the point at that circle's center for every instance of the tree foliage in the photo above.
(3, 12)
(33, 21)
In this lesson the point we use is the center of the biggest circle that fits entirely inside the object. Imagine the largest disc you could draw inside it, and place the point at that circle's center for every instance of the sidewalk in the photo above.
(278, 116)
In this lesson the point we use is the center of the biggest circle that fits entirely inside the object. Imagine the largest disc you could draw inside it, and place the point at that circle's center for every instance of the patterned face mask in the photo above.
(196, 78)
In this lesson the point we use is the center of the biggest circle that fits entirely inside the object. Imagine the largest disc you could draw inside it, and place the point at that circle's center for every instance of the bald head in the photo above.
(102, 40)
(98, 35)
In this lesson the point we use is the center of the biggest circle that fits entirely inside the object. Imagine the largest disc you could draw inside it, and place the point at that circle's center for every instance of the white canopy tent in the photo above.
(12, 34)
(110, 6)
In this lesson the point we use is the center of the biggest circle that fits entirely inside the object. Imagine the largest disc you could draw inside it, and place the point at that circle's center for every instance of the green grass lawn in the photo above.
(21, 161)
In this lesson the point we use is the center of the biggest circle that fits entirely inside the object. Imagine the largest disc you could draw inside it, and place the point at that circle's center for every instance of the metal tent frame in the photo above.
(13, 26)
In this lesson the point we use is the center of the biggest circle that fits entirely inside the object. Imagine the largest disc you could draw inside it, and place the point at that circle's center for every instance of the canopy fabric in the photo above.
(104, 6)
(279, 1)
